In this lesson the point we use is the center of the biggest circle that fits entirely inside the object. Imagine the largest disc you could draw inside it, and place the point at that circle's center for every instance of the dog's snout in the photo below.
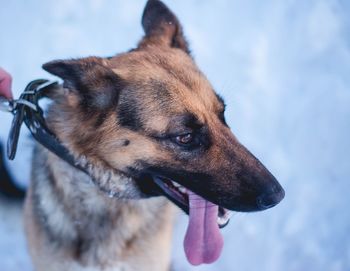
(270, 198)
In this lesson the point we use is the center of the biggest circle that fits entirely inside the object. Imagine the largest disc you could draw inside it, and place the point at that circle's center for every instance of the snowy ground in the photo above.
(284, 70)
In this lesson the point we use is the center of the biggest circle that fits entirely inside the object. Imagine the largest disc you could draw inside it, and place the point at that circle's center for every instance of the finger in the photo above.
(5, 84)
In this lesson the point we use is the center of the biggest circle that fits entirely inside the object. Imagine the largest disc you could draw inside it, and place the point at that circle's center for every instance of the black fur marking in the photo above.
(222, 112)
(159, 90)
(126, 143)
(221, 100)
(101, 119)
(182, 124)
(132, 108)
(129, 115)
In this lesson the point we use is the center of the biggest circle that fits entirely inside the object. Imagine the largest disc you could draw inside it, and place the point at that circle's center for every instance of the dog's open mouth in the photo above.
(203, 241)
(180, 196)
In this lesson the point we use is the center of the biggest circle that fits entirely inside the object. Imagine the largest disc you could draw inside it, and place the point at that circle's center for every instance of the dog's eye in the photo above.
(184, 139)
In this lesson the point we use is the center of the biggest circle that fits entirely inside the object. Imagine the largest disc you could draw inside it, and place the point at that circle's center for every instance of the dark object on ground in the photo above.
(8, 188)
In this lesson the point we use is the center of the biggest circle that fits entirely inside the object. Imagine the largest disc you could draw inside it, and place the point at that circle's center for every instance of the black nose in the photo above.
(270, 198)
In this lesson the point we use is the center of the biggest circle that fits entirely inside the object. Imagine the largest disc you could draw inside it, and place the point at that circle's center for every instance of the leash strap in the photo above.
(27, 109)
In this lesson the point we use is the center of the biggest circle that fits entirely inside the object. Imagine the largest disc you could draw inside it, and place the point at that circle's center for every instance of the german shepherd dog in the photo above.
(147, 124)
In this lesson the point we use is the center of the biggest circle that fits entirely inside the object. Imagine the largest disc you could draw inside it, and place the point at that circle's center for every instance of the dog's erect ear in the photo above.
(96, 84)
(162, 27)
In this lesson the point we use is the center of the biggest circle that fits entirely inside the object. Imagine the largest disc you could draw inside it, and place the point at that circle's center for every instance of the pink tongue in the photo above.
(203, 241)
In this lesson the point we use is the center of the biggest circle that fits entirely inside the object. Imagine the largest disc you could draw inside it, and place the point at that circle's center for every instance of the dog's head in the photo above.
(152, 115)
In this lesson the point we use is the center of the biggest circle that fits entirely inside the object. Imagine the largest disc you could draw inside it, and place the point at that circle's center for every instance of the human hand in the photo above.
(5, 84)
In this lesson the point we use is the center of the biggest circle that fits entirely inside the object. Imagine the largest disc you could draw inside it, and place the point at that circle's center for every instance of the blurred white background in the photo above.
(283, 68)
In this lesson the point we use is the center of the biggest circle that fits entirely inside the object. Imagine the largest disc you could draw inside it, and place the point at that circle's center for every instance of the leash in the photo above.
(27, 109)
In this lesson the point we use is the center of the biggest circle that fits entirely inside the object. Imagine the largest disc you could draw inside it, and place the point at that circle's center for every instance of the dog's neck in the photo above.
(84, 220)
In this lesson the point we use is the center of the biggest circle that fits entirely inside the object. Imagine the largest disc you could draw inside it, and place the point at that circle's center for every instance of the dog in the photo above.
(151, 130)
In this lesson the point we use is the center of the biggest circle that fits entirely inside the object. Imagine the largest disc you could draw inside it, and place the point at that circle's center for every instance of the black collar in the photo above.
(27, 109)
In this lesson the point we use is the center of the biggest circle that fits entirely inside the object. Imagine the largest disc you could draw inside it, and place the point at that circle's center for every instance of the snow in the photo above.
(283, 68)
